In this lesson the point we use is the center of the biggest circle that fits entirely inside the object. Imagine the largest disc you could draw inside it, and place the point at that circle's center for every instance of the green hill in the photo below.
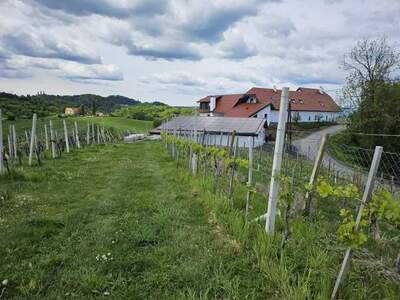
(46, 105)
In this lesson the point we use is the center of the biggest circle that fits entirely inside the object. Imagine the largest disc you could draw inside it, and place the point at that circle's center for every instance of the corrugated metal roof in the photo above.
(242, 126)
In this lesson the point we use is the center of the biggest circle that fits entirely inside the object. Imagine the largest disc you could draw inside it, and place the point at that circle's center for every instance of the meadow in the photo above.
(119, 123)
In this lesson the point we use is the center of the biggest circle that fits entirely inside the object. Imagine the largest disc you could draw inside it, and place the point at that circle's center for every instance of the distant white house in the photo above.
(306, 105)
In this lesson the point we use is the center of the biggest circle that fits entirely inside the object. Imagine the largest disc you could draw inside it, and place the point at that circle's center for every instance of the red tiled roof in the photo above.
(303, 99)
(225, 103)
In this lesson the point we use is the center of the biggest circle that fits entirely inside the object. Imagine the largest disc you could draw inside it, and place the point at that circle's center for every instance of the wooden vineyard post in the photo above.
(364, 201)
(32, 143)
(1, 143)
(250, 176)
(98, 134)
(103, 135)
(277, 162)
(93, 136)
(15, 141)
(88, 134)
(66, 136)
(190, 150)
(77, 135)
(10, 143)
(194, 156)
(52, 140)
(235, 154)
(46, 136)
(314, 174)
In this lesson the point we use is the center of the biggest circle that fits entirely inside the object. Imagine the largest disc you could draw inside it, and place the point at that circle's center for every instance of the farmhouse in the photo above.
(306, 105)
(72, 111)
(217, 130)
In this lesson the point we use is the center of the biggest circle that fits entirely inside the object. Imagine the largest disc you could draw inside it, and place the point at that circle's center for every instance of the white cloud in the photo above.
(183, 49)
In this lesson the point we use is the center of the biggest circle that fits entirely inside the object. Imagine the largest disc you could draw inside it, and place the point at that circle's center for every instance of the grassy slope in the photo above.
(115, 122)
(167, 242)
(124, 200)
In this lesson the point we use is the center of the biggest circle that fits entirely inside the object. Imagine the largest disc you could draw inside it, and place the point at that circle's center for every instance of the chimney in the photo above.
(213, 103)
(321, 90)
(274, 88)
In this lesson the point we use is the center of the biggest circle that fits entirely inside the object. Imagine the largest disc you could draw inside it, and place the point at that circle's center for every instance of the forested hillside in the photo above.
(45, 105)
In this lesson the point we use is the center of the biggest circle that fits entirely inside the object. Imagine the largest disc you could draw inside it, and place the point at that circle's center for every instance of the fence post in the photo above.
(1, 142)
(78, 143)
(98, 134)
(10, 143)
(250, 176)
(88, 134)
(46, 136)
(93, 136)
(364, 201)
(66, 136)
(52, 140)
(276, 165)
(15, 141)
(32, 143)
(194, 156)
(314, 173)
(235, 154)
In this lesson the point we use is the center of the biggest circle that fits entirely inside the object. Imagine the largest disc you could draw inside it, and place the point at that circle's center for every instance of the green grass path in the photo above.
(114, 221)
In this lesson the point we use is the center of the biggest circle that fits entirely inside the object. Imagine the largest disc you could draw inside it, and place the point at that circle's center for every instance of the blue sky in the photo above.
(177, 51)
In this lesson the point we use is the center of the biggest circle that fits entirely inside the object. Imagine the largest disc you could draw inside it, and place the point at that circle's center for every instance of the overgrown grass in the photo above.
(308, 265)
(114, 220)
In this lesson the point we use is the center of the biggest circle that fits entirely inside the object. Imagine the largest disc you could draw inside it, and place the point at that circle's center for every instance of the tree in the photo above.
(371, 88)
(369, 64)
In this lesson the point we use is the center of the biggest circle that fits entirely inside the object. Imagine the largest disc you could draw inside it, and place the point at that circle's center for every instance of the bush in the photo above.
(157, 122)
(11, 117)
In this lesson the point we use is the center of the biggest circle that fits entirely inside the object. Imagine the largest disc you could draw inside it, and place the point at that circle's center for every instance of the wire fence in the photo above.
(341, 164)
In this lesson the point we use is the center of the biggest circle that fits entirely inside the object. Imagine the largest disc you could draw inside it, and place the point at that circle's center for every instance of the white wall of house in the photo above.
(305, 116)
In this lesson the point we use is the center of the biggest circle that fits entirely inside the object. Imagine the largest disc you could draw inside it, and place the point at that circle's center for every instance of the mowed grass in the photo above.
(119, 123)
(116, 221)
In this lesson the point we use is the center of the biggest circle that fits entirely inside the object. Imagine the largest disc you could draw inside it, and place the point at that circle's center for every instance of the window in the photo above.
(265, 116)
(251, 100)
(204, 105)
(326, 117)
(309, 118)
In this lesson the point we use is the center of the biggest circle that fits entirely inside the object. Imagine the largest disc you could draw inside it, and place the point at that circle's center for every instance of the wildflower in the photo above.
(4, 282)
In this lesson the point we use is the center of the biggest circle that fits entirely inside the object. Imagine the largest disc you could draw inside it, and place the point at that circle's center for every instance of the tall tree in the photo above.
(370, 88)
(369, 64)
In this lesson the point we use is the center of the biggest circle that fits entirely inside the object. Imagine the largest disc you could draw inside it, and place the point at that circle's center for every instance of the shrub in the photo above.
(157, 122)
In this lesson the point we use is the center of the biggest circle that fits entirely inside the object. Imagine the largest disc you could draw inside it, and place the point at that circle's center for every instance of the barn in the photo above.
(217, 130)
